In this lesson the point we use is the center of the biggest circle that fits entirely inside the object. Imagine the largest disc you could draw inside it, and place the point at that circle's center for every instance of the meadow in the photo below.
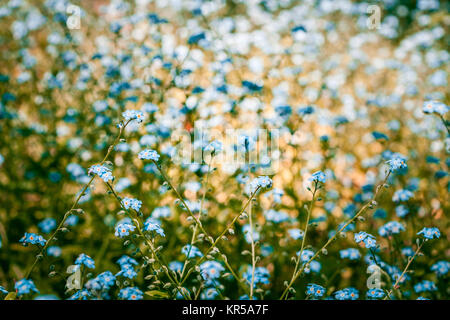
(224, 149)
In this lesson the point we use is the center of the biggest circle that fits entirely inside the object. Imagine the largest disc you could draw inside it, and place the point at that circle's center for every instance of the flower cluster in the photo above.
(365, 239)
(102, 171)
(32, 238)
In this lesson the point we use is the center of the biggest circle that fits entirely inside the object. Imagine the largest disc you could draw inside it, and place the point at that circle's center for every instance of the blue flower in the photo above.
(103, 172)
(318, 176)
(82, 294)
(296, 234)
(54, 251)
(401, 211)
(402, 195)
(127, 271)
(306, 255)
(132, 203)
(25, 286)
(375, 293)
(435, 107)
(260, 182)
(430, 233)
(86, 260)
(425, 286)
(131, 293)
(276, 216)
(104, 281)
(441, 268)
(214, 147)
(365, 239)
(396, 163)
(148, 154)
(126, 260)
(261, 275)
(153, 225)
(211, 270)
(315, 290)
(47, 225)
(347, 294)
(32, 238)
(350, 253)
(131, 115)
(176, 266)
(123, 229)
(193, 251)
(161, 212)
(408, 251)
(390, 228)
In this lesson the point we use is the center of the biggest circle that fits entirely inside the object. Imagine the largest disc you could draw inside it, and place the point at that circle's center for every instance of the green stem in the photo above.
(395, 287)
(66, 215)
(304, 235)
(220, 237)
(150, 245)
(360, 212)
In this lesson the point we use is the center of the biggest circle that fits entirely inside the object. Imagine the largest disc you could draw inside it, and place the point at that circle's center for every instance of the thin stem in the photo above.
(148, 242)
(66, 215)
(220, 237)
(252, 281)
(360, 212)
(388, 296)
(445, 124)
(198, 223)
(306, 231)
(194, 233)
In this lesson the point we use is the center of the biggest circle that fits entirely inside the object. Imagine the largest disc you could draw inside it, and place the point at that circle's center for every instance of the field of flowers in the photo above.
(224, 149)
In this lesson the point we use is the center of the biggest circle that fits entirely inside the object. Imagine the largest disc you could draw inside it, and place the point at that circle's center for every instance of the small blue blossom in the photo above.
(347, 294)
(318, 176)
(103, 172)
(54, 251)
(131, 293)
(131, 115)
(127, 271)
(390, 228)
(430, 233)
(402, 195)
(350, 253)
(193, 251)
(396, 163)
(32, 238)
(365, 239)
(123, 229)
(132, 203)
(296, 234)
(211, 270)
(375, 293)
(261, 275)
(153, 225)
(86, 260)
(441, 268)
(435, 107)
(425, 286)
(315, 290)
(126, 260)
(25, 286)
(82, 294)
(148, 154)
(47, 225)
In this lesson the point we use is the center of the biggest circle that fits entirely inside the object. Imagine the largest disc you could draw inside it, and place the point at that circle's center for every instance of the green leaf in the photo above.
(157, 294)
(11, 296)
